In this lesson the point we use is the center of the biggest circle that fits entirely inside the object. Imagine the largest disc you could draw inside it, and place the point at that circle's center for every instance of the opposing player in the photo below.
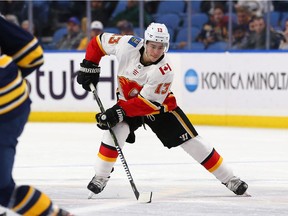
(145, 75)
(20, 55)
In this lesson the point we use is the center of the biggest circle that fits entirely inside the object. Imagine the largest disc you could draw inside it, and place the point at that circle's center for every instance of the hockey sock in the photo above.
(27, 200)
(208, 157)
(107, 153)
(107, 156)
(214, 164)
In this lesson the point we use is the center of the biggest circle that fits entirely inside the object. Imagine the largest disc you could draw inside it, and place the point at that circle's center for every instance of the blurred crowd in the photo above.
(62, 25)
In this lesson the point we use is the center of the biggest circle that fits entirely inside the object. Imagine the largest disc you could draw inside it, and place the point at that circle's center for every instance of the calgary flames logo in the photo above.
(129, 88)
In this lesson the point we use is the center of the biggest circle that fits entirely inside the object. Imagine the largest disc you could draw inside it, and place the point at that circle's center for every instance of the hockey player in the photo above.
(20, 55)
(145, 75)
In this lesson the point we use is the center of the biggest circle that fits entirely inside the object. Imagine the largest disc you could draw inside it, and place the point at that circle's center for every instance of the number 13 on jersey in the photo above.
(162, 88)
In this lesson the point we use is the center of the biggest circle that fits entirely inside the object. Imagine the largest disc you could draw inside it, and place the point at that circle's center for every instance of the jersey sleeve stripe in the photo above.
(24, 50)
(98, 40)
(28, 61)
(11, 85)
(13, 94)
(5, 61)
(148, 103)
(16, 103)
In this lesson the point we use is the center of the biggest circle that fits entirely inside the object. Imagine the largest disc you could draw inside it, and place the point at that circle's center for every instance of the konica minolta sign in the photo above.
(219, 80)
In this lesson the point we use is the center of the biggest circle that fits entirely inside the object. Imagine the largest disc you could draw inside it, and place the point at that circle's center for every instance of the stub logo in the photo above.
(191, 80)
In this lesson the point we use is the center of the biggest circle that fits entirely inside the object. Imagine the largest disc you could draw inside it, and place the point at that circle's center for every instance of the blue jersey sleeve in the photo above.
(23, 47)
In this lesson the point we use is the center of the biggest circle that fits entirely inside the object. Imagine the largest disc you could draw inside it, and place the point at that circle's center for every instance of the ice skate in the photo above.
(59, 212)
(97, 184)
(63, 212)
(236, 185)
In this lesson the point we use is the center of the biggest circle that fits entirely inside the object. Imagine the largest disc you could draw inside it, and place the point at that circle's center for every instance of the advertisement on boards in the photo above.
(205, 84)
(54, 87)
(235, 83)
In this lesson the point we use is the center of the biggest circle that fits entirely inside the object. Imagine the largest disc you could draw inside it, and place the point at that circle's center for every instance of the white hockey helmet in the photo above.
(157, 32)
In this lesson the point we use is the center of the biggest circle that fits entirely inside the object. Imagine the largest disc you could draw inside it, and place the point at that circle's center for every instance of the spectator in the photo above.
(74, 35)
(251, 26)
(243, 16)
(239, 37)
(102, 10)
(84, 25)
(257, 39)
(26, 26)
(125, 27)
(256, 7)
(284, 41)
(131, 14)
(96, 28)
(12, 18)
(214, 30)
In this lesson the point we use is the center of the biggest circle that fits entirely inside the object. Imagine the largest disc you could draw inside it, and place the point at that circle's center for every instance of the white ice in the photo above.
(58, 158)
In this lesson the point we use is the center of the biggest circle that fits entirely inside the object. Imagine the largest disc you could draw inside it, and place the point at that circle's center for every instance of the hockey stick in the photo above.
(143, 197)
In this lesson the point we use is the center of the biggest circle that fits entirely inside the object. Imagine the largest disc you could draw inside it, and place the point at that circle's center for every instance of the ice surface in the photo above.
(58, 158)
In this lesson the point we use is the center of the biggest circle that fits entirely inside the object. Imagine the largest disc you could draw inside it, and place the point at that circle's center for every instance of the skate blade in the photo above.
(90, 195)
(246, 195)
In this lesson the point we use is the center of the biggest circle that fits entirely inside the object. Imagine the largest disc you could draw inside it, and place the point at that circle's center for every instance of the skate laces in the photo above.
(100, 181)
(234, 183)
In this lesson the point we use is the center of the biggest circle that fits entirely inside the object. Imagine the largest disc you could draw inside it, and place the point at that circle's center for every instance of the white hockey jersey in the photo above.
(143, 90)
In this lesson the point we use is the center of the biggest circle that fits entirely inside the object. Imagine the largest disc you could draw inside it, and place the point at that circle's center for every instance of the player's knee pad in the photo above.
(27, 200)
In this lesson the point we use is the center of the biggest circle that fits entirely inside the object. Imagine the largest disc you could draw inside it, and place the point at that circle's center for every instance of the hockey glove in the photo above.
(110, 118)
(89, 73)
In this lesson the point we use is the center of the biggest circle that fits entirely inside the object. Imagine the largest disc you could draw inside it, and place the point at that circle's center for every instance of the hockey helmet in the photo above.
(157, 32)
